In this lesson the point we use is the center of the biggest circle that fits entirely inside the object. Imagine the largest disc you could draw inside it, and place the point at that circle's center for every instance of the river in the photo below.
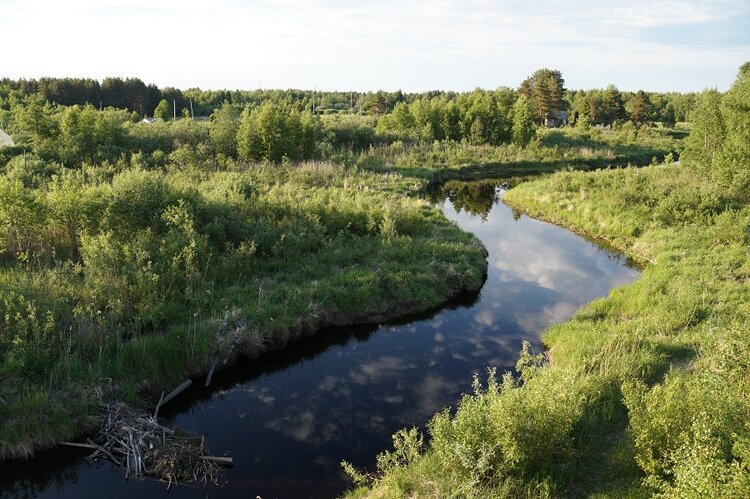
(290, 417)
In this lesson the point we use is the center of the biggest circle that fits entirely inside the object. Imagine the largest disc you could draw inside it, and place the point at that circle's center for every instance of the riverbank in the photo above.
(581, 148)
(643, 392)
(183, 267)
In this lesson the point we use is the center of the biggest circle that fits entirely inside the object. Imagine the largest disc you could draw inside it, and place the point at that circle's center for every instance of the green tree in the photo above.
(704, 143)
(669, 115)
(225, 123)
(36, 121)
(544, 89)
(486, 116)
(163, 110)
(273, 132)
(450, 121)
(400, 123)
(248, 137)
(310, 133)
(110, 135)
(77, 137)
(613, 107)
(639, 108)
(523, 122)
(733, 165)
(376, 103)
(70, 208)
(21, 215)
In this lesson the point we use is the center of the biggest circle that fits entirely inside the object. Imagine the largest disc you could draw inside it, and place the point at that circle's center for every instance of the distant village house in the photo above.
(5, 139)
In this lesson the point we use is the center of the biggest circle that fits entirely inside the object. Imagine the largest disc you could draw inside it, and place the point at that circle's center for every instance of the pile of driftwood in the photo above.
(144, 447)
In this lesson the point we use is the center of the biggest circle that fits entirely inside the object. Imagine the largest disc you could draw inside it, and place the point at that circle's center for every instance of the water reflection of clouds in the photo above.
(485, 317)
(262, 394)
(552, 265)
(531, 251)
(378, 370)
(431, 392)
(532, 323)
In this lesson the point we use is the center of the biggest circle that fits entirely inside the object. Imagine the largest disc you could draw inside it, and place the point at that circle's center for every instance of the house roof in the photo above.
(5, 139)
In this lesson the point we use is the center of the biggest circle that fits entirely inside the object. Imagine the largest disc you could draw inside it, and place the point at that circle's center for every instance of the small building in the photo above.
(5, 139)
(556, 119)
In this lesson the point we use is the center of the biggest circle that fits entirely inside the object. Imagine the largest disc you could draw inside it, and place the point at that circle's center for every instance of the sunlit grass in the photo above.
(643, 392)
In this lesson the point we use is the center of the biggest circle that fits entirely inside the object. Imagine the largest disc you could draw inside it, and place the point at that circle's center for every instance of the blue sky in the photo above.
(365, 45)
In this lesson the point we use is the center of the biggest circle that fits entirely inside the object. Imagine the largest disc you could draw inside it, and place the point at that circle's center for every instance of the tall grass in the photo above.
(123, 278)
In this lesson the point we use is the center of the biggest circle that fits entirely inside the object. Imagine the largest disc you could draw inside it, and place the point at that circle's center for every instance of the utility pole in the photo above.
(192, 114)
(351, 103)
(174, 110)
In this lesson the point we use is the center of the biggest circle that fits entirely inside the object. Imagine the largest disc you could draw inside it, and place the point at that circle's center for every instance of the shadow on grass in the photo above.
(55, 467)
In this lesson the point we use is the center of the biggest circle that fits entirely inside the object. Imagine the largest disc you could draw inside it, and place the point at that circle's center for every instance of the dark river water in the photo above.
(289, 418)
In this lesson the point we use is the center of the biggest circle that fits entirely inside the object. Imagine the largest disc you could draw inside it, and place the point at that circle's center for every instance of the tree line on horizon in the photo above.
(598, 106)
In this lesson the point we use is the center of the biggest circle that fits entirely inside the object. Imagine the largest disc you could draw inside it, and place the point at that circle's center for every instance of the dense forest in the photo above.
(601, 106)
(126, 243)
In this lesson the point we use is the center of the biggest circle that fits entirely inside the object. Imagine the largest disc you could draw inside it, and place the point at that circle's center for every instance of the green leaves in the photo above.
(163, 110)
(274, 132)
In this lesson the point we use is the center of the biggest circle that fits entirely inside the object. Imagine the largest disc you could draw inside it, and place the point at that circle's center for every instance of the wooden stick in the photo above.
(184, 386)
(155, 425)
(211, 372)
(161, 399)
(104, 451)
(225, 461)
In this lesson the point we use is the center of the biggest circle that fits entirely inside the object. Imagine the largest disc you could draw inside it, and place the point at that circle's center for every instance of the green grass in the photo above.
(552, 150)
(166, 257)
(643, 392)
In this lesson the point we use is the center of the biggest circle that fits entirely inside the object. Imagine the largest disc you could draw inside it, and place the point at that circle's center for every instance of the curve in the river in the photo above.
(290, 417)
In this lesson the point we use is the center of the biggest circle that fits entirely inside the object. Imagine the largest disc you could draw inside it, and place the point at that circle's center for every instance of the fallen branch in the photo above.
(158, 406)
(211, 371)
(163, 400)
(225, 461)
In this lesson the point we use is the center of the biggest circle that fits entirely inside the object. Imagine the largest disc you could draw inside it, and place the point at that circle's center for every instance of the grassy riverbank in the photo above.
(643, 392)
(583, 148)
(120, 282)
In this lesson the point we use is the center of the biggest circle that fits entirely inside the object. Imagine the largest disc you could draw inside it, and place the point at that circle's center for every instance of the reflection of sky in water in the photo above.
(288, 429)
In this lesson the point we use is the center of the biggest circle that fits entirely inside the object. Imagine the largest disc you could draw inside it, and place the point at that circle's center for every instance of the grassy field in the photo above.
(643, 392)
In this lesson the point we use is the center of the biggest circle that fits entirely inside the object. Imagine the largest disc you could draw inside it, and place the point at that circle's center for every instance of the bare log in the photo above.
(183, 386)
(211, 371)
(224, 461)
(155, 425)
(161, 399)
